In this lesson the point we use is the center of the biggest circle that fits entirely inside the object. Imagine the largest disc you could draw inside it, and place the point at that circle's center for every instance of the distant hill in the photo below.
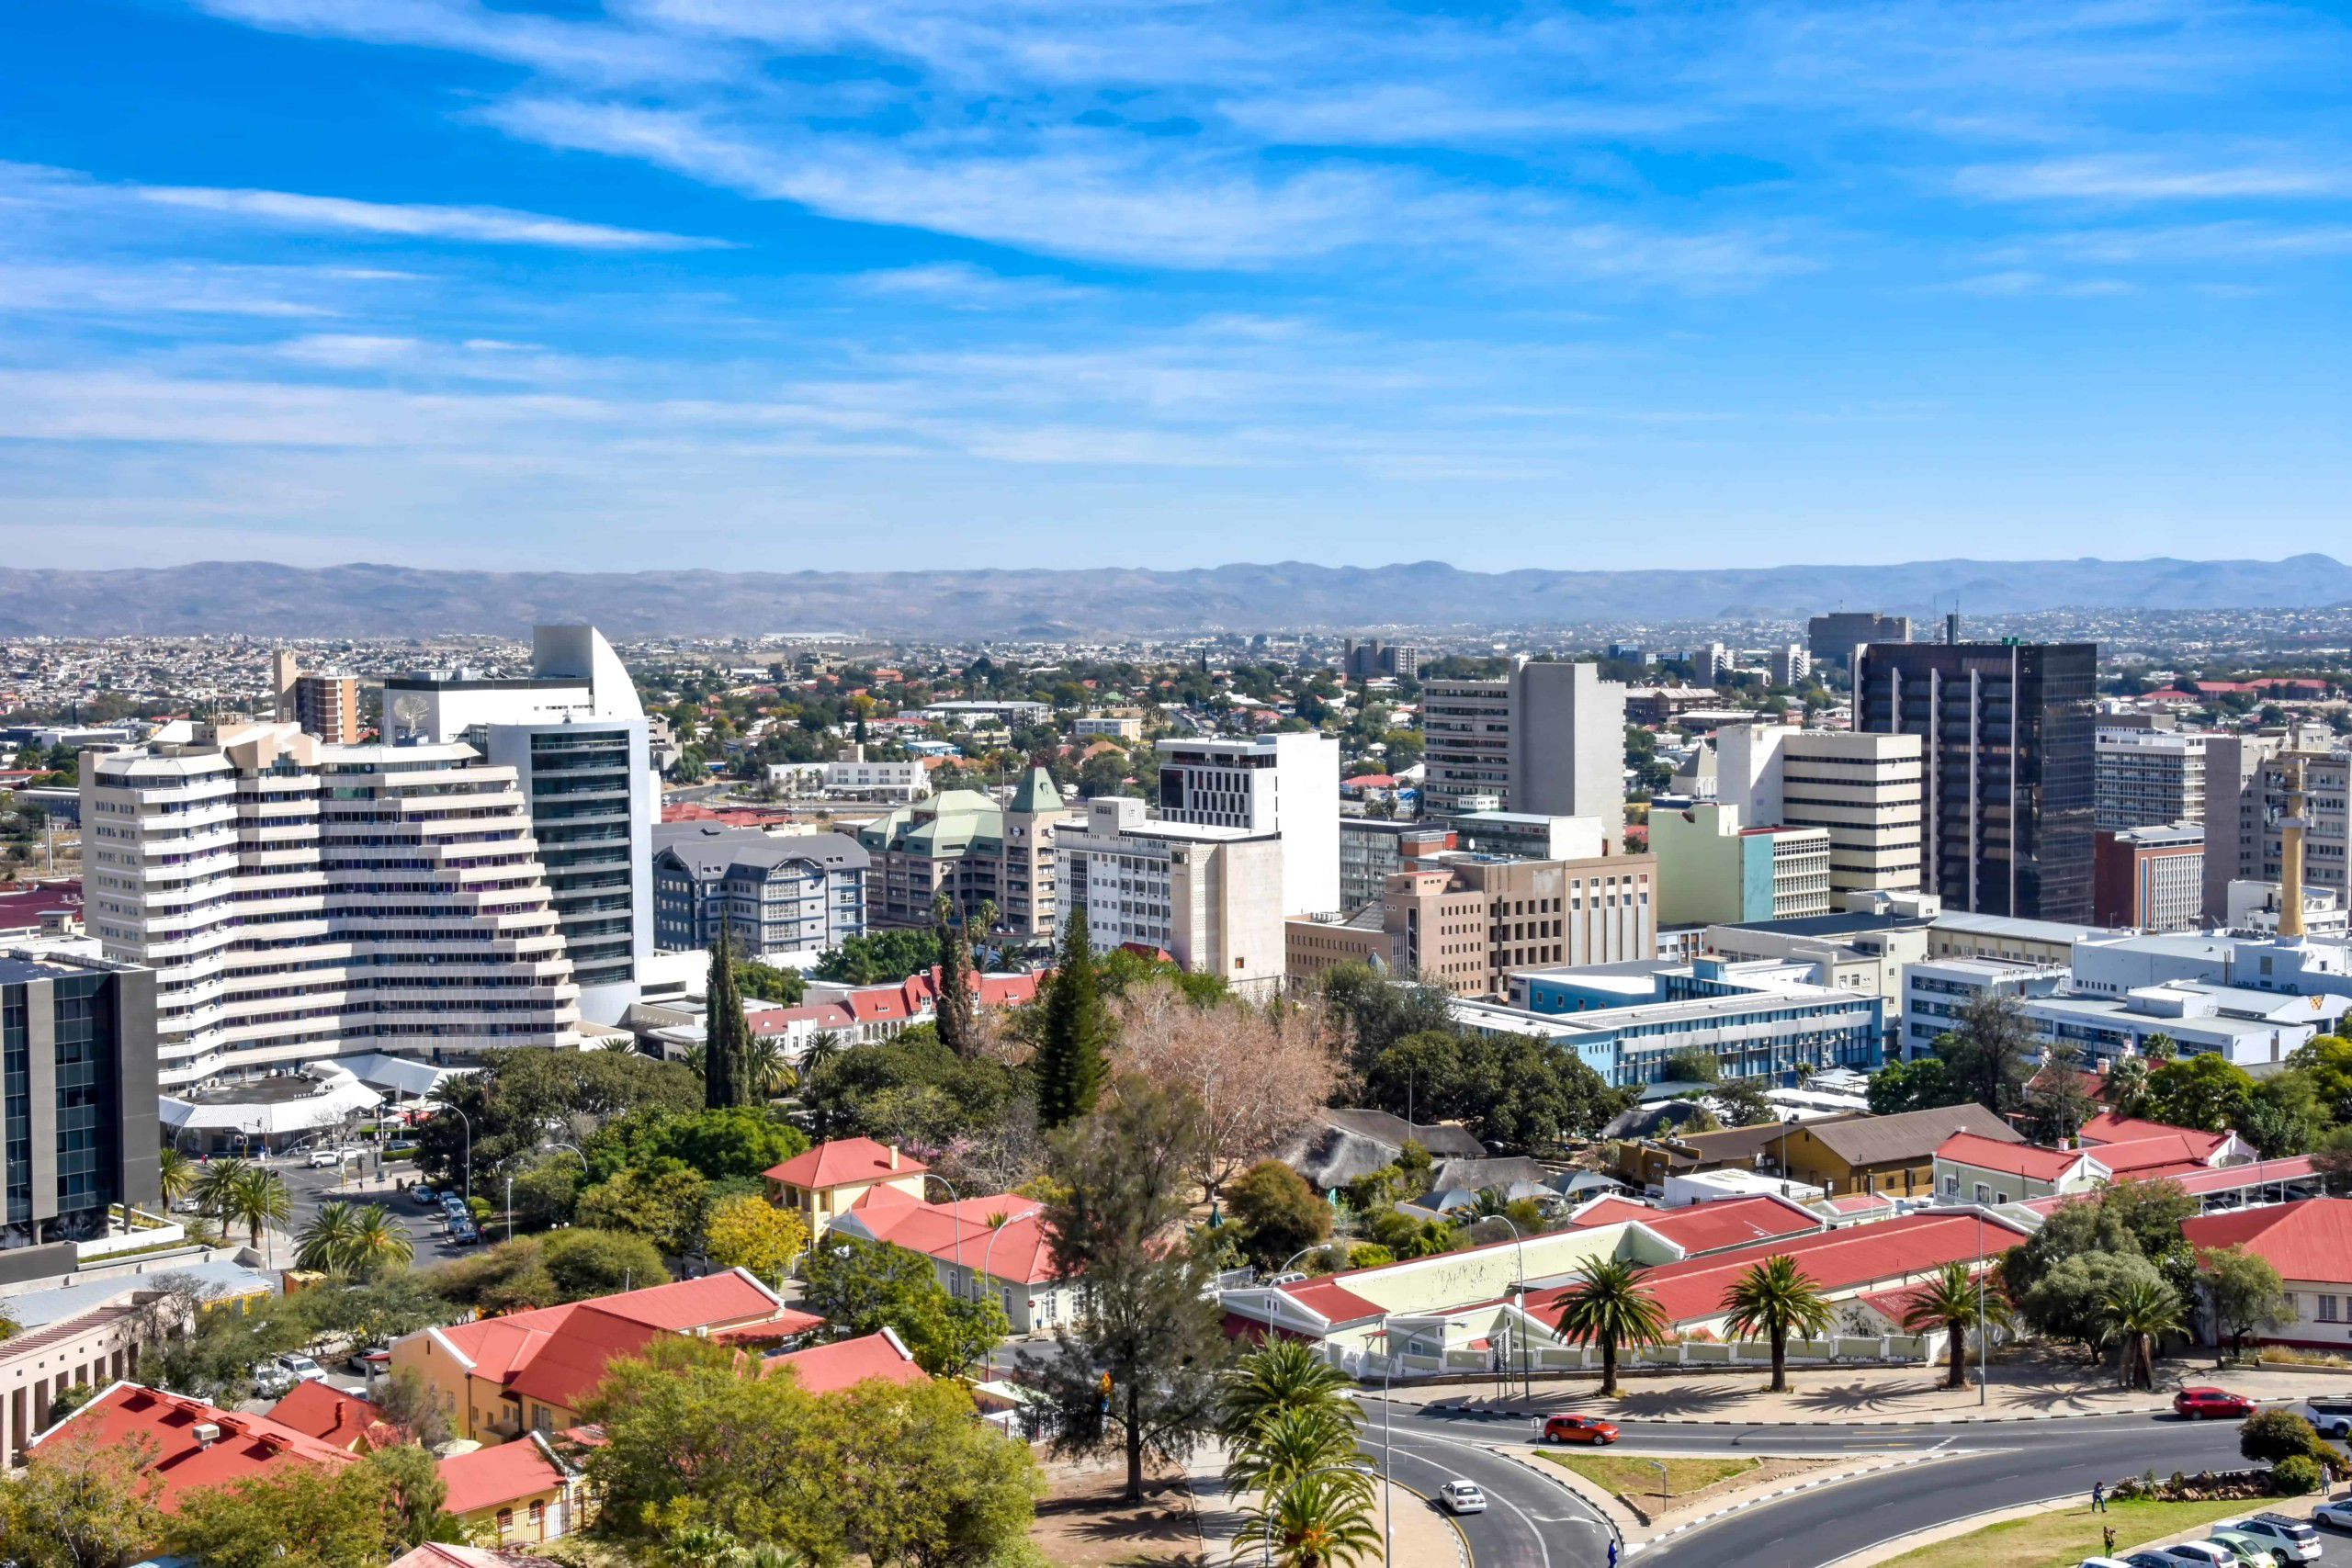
(367, 600)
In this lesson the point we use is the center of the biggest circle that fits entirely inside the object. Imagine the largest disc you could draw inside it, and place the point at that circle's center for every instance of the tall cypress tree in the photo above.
(726, 1051)
(958, 1012)
(1070, 1067)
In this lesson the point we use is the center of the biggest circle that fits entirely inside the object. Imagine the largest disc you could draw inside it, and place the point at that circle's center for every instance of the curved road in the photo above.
(1530, 1523)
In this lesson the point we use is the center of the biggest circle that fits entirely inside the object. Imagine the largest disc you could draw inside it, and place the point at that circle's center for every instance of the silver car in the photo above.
(2290, 1541)
(1461, 1497)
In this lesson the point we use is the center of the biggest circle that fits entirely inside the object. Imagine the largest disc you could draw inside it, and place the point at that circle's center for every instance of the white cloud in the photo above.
(961, 285)
(166, 288)
(2142, 179)
(489, 225)
(585, 51)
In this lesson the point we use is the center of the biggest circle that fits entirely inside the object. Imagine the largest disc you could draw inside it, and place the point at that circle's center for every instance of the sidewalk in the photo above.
(1424, 1536)
(2027, 1388)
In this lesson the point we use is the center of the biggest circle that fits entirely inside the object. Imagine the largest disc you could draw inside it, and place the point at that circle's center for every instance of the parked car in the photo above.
(2246, 1549)
(2336, 1515)
(2151, 1560)
(464, 1233)
(423, 1197)
(372, 1362)
(271, 1381)
(2204, 1553)
(2290, 1541)
(2331, 1418)
(1579, 1430)
(2102, 1563)
(2204, 1403)
(187, 1205)
(301, 1367)
(1461, 1497)
(401, 1146)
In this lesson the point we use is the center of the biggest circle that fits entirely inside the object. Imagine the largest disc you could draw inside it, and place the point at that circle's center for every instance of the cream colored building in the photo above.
(300, 902)
(1867, 792)
(1210, 897)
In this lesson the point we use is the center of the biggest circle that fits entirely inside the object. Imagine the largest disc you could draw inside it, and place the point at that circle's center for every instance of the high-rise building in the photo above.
(324, 704)
(782, 899)
(962, 843)
(1832, 638)
(575, 735)
(77, 1042)
(1209, 896)
(2150, 778)
(1790, 664)
(1710, 663)
(2010, 768)
(2150, 877)
(300, 902)
(1864, 790)
(1547, 741)
(1284, 784)
(2233, 815)
(1372, 660)
(1714, 869)
(2326, 779)
(1374, 849)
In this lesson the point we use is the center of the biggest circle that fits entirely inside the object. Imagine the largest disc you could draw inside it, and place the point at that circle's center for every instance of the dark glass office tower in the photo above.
(2011, 767)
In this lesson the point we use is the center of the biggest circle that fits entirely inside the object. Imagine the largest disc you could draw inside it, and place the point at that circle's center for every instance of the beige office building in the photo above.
(1210, 897)
(1547, 739)
(962, 844)
(324, 706)
(1866, 790)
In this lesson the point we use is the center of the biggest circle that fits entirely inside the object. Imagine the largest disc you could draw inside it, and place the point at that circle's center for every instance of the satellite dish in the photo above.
(408, 716)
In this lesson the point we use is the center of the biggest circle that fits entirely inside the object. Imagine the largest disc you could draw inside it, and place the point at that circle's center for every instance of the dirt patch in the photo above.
(1624, 1479)
(1084, 1521)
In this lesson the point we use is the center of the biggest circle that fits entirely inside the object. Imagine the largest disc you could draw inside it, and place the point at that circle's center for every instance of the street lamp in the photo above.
(1312, 1247)
(468, 1122)
(1518, 1299)
(956, 1198)
(1387, 1514)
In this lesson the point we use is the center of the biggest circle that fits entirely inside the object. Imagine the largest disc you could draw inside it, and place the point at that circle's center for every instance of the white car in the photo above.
(301, 1367)
(2334, 1516)
(2289, 1540)
(2329, 1421)
(2202, 1552)
(322, 1159)
(1461, 1497)
(2102, 1563)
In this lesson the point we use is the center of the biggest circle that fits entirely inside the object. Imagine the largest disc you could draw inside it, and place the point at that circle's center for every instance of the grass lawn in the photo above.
(1639, 1476)
(2062, 1539)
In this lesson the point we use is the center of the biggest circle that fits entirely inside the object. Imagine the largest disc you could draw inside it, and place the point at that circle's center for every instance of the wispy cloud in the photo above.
(2138, 179)
(486, 225)
(963, 287)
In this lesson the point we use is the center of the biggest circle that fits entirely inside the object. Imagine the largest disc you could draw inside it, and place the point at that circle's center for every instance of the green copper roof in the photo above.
(1037, 793)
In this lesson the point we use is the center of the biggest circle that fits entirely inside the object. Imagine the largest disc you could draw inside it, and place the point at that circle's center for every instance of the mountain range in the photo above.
(382, 600)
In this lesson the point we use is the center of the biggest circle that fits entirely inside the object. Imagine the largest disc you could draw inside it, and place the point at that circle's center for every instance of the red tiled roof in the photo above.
(2016, 1159)
(2228, 1177)
(2108, 1128)
(248, 1447)
(1331, 1300)
(2310, 1239)
(829, 1369)
(557, 1354)
(1727, 1221)
(1891, 1251)
(334, 1416)
(486, 1478)
(789, 1324)
(2166, 1154)
(565, 1368)
(843, 1160)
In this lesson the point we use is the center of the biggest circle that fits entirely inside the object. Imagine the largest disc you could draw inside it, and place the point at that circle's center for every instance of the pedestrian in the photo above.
(1613, 1552)
(2110, 1540)
(2098, 1496)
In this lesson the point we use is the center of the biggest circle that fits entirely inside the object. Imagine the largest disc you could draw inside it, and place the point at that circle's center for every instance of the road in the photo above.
(311, 1188)
(1531, 1523)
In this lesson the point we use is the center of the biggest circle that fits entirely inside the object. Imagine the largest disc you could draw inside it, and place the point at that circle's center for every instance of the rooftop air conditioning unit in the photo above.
(206, 1433)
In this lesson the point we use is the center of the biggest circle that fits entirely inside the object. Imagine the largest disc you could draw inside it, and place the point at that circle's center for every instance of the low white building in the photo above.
(2248, 1028)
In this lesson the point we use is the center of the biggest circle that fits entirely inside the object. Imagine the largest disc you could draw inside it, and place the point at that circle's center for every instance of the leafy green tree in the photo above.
(879, 958)
(566, 1265)
(1375, 1013)
(1692, 1064)
(912, 1090)
(2056, 1102)
(1406, 1236)
(1278, 1214)
(2142, 1217)
(753, 1233)
(360, 1516)
(1954, 1305)
(785, 988)
(2245, 1294)
(1075, 1033)
(1607, 1304)
(2069, 1300)
(2282, 1115)
(860, 1287)
(1776, 1298)
(738, 1142)
(1742, 1103)
(546, 1189)
(520, 1098)
(1990, 1055)
(1512, 1092)
(2325, 1060)
(1922, 1084)
(958, 1005)
(2203, 1091)
(664, 1203)
(85, 1505)
(1148, 1321)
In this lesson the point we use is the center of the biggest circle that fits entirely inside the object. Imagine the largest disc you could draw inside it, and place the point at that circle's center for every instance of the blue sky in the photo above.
(778, 283)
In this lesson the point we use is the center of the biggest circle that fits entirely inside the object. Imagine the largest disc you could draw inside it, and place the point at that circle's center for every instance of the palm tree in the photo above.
(823, 1047)
(377, 1241)
(1281, 1375)
(1776, 1298)
(1321, 1520)
(325, 1245)
(1609, 1305)
(174, 1174)
(257, 1199)
(1954, 1303)
(214, 1186)
(1286, 1444)
(772, 1073)
(2139, 1312)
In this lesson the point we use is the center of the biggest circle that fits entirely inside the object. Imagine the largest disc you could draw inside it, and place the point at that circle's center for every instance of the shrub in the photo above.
(2297, 1475)
(2270, 1436)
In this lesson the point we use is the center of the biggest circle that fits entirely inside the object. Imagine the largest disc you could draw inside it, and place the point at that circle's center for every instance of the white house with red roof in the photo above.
(831, 1180)
(996, 1246)
(2310, 1242)
(1971, 1168)
(191, 1445)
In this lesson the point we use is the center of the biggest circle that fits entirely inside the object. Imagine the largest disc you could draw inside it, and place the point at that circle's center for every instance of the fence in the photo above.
(1897, 1349)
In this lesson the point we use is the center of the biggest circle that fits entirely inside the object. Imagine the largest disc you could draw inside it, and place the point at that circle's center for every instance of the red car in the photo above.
(1579, 1430)
(2202, 1403)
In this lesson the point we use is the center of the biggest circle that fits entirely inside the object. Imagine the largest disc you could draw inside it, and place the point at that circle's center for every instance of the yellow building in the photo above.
(513, 1494)
(827, 1182)
(1893, 1155)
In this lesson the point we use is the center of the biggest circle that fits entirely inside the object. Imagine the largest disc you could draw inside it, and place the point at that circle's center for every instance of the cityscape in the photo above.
(980, 785)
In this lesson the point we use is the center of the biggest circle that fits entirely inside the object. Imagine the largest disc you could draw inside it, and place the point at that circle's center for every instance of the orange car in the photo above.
(1579, 1430)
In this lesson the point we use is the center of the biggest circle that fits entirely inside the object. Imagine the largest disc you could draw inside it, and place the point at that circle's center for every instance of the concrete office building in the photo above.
(1714, 869)
(77, 1042)
(2152, 878)
(2234, 811)
(324, 706)
(1464, 922)
(300, 902)
(2150, 778)
(576, 737)
(1759, 1020)
(780, 900)
(2327, 783)
(1284, 784)
(1547, 741)
(962, 843)
(2010, 767)
(1209, 896)
(1935, 993)
(1867, 792)
(1788, 664)
(1519, 835)
(1374, 849)
(1832, 638)
(1372, 660)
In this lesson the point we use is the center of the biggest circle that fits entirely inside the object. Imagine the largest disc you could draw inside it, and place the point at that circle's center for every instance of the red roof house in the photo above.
(845, 1363)
(321, 1410)
(194, 1445)
(2309, 1242)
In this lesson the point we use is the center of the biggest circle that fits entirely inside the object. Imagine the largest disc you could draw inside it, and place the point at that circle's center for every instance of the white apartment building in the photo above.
(1208, 896)
(2150, 778)
(300, 902)
(970, 715)
(1547, 739)
(1788, 664)
(1115, 724)
(1866, 791)
(1284, 784)
(576, 737)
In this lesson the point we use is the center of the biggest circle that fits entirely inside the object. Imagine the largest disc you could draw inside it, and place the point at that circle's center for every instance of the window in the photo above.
(1981, 1192)
(505, 1522)
(2327, 1309)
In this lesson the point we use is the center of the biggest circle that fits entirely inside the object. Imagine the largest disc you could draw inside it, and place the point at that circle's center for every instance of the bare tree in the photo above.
(1259, 1072)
